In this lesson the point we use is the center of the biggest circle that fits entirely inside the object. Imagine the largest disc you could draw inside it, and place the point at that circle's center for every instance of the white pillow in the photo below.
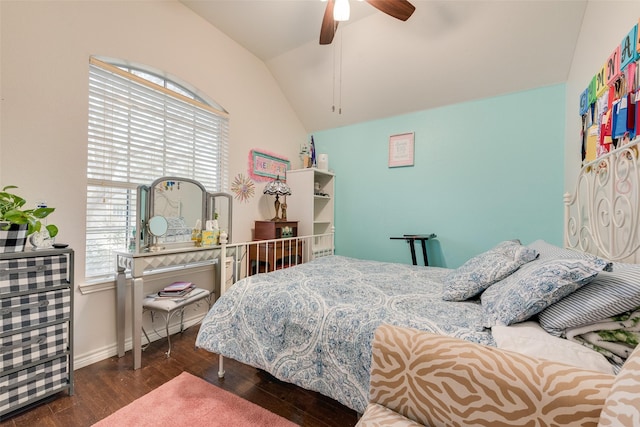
(530, 339)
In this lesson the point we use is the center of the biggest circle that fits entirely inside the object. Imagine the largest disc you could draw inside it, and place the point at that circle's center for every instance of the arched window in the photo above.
(142, 126)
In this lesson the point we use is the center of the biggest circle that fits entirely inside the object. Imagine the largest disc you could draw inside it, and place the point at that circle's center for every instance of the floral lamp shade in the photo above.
(277, 188)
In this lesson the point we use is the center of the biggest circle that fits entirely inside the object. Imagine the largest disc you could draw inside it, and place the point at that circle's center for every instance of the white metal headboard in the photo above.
(602, 216)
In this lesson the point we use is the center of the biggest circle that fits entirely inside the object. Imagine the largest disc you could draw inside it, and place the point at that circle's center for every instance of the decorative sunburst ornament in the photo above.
(243, 188)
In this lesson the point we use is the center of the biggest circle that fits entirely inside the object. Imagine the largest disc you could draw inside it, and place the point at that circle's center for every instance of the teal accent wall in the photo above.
(484, 171)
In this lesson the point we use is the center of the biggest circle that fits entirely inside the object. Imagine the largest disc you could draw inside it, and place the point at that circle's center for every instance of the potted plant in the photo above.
(17, 223)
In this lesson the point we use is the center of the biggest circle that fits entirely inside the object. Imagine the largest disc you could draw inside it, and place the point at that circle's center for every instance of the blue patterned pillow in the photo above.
(481, 271)
(536, 286)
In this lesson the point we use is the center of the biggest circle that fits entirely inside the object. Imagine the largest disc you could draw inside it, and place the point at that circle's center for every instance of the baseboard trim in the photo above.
(89, 358)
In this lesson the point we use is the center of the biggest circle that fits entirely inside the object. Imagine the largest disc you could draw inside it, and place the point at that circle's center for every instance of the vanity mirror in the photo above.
(184, 204)
(157, 227)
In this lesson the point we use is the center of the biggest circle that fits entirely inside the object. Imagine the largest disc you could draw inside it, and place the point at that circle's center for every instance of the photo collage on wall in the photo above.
(608, 105)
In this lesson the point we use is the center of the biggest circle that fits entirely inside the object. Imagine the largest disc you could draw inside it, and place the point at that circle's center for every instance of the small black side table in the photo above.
(411, 239)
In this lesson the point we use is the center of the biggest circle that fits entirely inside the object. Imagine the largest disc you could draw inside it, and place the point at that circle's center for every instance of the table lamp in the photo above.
(277, 188)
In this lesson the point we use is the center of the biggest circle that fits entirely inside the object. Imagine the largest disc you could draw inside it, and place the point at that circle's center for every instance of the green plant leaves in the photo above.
(10, 211)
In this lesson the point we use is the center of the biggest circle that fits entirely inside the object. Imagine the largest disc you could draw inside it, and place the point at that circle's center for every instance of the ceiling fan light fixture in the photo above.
(341, 10)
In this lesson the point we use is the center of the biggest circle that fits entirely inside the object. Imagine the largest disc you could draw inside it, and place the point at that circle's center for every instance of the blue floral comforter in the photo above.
(312, 325)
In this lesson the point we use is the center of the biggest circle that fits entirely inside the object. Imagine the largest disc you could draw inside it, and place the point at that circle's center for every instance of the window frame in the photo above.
(119, 185)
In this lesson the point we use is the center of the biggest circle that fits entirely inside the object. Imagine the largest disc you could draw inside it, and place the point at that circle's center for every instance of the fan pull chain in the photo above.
(333, 90)
(337, 69)
(340, 82)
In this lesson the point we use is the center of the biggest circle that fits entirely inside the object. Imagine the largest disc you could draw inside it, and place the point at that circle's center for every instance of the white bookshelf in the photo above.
(314, 213)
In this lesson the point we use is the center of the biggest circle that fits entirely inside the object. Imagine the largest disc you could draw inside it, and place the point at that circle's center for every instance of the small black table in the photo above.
(411, 239)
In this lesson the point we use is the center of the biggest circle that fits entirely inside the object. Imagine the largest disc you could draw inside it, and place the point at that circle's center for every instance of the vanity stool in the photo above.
(168, 307)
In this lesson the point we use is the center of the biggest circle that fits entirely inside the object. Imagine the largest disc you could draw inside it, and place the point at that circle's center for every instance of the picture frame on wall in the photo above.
(401, 150)
(266, 166)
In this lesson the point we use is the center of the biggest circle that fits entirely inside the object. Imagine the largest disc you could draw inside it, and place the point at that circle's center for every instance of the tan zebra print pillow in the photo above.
(442, 381)
(378, 416)
(622, 408)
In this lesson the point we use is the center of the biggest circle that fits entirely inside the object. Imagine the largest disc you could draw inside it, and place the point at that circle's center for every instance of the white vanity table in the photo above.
(184, 202)
(139, 263)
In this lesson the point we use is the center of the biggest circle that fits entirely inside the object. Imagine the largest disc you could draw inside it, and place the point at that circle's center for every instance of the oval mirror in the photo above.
(158, 225)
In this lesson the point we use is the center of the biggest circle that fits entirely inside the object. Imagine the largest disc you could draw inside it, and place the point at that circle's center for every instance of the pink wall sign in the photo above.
(266, 166)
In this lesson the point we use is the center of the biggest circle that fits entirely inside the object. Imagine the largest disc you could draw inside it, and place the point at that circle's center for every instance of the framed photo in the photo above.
(401, 150)
(267, 166)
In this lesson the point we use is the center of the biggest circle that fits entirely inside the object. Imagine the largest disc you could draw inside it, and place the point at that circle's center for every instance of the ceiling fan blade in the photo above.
(329, 25)
(400, 9)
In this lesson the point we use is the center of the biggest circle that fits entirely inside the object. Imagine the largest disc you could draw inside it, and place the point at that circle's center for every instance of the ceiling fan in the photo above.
(400, 9)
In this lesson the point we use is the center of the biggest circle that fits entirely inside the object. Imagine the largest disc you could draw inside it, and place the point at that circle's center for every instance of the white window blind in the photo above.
(139, 131)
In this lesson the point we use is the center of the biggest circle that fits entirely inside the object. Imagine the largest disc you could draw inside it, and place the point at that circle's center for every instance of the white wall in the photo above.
(43, 129)
(604, 25)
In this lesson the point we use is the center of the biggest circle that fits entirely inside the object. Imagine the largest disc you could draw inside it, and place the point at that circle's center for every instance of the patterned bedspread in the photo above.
(312, 325)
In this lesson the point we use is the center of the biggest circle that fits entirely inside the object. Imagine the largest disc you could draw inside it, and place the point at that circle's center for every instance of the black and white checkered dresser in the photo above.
(36, 339)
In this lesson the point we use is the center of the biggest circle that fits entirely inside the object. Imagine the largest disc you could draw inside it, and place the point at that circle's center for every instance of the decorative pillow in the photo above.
(442, 381)
(622, 406)
(481, 271)
(530, 339)
(514, 249)
(550, 251)
(536, 286)
(610, 293)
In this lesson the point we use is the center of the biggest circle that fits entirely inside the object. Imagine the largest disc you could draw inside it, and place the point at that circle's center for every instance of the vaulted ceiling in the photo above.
(448, 52)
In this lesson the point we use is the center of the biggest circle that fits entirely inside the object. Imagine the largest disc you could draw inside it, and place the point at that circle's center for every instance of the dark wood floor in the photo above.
(106, 386)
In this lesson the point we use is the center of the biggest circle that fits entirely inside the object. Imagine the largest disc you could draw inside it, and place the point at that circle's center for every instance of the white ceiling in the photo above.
(448, 52)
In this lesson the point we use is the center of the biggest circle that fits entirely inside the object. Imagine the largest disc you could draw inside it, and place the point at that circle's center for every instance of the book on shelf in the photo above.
(163, 294)
(177, 289)
(178, 286)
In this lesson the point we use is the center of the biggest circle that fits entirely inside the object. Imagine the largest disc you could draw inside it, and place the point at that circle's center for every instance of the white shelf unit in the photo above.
(314, 213)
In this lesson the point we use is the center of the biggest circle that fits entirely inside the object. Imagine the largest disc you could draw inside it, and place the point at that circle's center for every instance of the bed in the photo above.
(312, 325)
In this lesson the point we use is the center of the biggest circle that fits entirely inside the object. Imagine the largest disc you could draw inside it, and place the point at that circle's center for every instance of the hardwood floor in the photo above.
(106, 386)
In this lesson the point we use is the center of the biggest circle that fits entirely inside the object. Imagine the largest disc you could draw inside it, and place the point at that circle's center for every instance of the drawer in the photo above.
(23, 348)
(23, 386)
(33, 273)
(34, 309)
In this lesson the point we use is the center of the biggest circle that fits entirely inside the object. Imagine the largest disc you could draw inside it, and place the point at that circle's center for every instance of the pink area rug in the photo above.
(190, 401)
